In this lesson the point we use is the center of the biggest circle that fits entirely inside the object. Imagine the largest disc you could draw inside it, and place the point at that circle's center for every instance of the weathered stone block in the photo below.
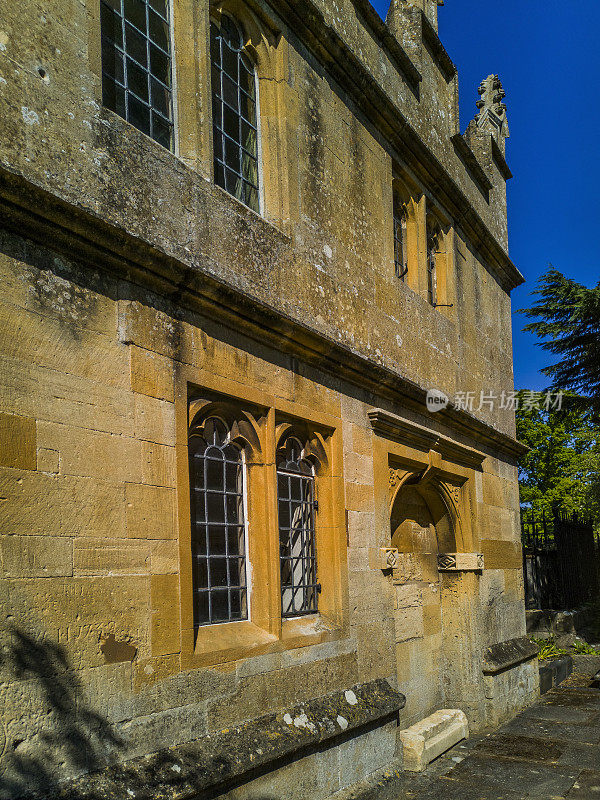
(432, 619)
(46, 342)
(164, 594)
(94, 454)
(431, 737)
(17, 442)
(92, 556)
(408, 623)
(359, 498)
(46, 394)
(504, 655)
(358, 468)
(502, 554)
(152, 374)
(164, 556)
(38, 504)
(36, 556)
(158, 464)
(152, 329)
(48, 460)
(150, 512)
(361, 528)
(154, 420)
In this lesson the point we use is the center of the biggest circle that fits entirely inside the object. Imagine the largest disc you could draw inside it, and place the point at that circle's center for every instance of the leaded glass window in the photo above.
(400, 257)
(218, 525)
(234, 101)
(136, 64)
(296, 506)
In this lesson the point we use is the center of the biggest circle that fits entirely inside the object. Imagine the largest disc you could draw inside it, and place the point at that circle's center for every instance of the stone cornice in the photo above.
(411, 433)
(78, 234)
(505, 655)
(308, 23)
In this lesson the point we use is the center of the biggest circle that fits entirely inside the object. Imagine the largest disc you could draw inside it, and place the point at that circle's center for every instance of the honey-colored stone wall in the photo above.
(90, 560)
(131, 284)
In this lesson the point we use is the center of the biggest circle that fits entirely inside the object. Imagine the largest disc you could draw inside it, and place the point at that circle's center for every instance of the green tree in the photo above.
(562, 469)
(568, 322)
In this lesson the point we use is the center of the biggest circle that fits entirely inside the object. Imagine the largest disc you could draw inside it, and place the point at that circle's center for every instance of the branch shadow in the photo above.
(53, 733)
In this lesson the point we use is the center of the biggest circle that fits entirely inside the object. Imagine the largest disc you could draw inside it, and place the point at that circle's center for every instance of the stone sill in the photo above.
(232, 641)
(184, 771)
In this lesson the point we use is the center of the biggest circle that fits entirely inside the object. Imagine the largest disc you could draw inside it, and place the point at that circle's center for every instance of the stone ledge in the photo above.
(431, 737)
(185, 771)
(505, 655)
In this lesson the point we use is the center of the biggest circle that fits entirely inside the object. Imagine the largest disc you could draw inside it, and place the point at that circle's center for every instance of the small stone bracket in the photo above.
(388, 558)
(460, 562)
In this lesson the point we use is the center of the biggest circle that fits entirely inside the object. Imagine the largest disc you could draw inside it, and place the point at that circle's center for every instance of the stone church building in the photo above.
(241, 243)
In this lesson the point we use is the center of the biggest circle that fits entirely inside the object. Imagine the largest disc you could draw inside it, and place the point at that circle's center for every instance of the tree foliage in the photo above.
(568, 322)
(562, 469)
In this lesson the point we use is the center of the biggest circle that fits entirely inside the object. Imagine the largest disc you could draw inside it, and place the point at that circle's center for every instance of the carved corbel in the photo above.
(460, 562)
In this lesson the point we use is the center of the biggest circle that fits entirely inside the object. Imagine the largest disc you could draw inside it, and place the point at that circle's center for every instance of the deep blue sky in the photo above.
(547, 55)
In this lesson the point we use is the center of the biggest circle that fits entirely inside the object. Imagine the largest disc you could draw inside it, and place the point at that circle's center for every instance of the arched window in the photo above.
(218, 525)
(297, 552)
(400, 252)
(432, 249)
(235, 126)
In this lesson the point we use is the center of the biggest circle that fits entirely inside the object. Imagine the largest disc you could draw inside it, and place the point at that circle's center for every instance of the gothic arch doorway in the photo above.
(423, 524)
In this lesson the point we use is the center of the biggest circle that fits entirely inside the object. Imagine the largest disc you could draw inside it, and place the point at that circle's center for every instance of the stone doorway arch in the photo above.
(435, 645)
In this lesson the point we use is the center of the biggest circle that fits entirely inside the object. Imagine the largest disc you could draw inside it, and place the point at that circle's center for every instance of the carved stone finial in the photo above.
(492, 111)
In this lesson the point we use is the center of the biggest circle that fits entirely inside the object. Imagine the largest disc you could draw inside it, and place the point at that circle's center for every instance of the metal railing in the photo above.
(560, 559)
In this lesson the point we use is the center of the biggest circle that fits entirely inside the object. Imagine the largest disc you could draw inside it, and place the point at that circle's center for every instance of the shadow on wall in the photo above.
(49, 731)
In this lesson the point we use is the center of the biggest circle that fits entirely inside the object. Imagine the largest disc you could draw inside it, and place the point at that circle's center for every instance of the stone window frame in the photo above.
(400, 222)
(408, 196)
(313, 454)
(261, 421)
(268, 51)
(94, 36)
(246, 59)
(202, 502)
(439, 231)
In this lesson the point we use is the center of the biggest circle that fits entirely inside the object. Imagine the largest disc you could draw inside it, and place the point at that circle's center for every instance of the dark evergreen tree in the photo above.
(568, 322)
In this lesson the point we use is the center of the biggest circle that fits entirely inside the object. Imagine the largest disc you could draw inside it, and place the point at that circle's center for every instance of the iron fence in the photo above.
(560, 559)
